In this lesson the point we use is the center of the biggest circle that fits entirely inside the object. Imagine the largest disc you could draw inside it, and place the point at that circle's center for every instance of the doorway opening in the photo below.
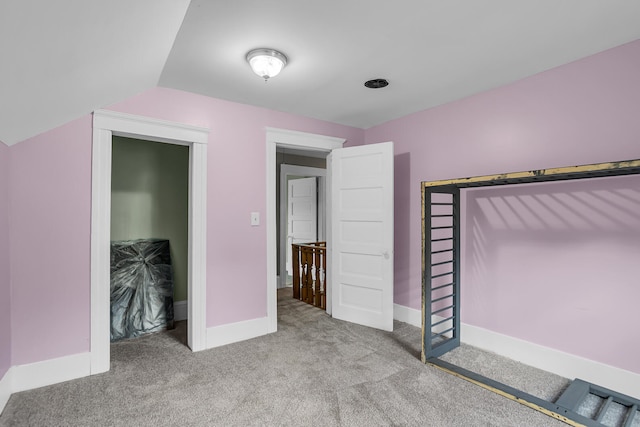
(304, 143)
(302, 226)
(149, 237)
(307, 225)
(106, 124)
(360, 228)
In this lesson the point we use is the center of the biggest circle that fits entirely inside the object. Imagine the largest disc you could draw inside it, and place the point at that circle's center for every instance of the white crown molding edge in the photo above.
(302, 140)
(158, 129)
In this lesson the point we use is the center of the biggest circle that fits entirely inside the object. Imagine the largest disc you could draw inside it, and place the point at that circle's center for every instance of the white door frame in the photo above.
(105, 125)
(285, 139)
(307, 171)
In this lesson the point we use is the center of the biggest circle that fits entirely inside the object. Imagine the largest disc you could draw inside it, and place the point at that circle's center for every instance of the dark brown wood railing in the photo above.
(310, 273)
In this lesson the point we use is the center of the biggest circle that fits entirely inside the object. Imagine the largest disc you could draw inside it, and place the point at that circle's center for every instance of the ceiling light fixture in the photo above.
(266, 63)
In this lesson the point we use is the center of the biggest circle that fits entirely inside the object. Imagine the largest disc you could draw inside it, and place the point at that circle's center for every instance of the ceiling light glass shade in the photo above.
(266, 63)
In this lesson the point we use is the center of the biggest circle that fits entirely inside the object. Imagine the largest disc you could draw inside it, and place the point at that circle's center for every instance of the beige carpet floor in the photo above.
(315, 371)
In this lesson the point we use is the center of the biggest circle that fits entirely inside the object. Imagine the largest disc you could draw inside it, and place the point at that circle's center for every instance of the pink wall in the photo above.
(580, 113)
(561, 261)
(50, 224)
(5, 289)
(51, 188)
(584, 112)
(236, 252)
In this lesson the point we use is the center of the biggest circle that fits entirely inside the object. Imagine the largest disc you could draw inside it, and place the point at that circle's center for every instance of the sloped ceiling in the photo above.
(63, 59)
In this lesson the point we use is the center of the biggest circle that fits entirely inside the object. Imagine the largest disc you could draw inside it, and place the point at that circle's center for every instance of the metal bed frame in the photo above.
(441, 284)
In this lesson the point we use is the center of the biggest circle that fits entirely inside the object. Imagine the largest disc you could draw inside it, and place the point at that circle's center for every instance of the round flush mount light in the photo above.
(376, 83)
(266, 62)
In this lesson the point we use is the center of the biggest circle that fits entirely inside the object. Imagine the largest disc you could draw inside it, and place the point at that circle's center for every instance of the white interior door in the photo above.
(360, 227)
(302, 214)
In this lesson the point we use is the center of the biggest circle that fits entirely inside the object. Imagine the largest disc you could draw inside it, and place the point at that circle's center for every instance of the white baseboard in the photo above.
(281, 285)
(33, 375)
(235, 332)
(407, 315)
(5, 388)
(40, 374)
(52, 371)
(545, 358)
(551, 360)
(180, 310)
(26, 377)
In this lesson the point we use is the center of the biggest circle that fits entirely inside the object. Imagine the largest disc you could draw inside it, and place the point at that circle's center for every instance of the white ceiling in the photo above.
(63, 59)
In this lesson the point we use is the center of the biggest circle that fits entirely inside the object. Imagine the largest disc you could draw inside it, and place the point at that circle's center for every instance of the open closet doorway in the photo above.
(149, 237)
(107, 124)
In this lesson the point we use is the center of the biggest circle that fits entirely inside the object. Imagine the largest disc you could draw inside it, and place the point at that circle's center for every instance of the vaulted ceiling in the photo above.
(62, 59)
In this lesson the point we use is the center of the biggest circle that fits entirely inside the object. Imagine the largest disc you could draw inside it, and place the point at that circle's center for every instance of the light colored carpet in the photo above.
(314, 371)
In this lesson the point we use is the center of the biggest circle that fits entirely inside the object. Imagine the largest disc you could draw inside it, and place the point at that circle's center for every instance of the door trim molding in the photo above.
(292, 139)
(105, 125)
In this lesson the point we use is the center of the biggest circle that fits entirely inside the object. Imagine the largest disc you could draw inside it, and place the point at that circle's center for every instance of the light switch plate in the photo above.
(255, 218)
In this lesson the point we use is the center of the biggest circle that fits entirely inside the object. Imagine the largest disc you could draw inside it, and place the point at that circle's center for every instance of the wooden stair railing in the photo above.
(310, 273)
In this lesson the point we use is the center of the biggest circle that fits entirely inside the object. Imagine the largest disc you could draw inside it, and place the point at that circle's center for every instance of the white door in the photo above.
(360, 227)
(302, 214)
